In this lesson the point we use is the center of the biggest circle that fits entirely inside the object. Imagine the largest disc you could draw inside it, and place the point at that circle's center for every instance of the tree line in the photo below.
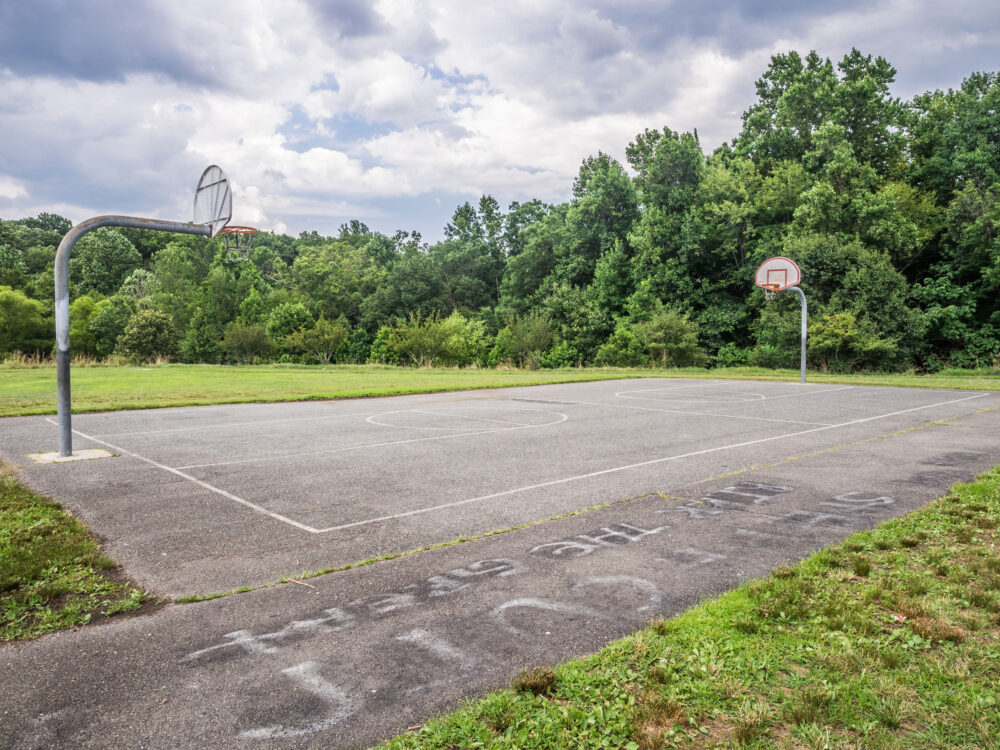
(891, 209)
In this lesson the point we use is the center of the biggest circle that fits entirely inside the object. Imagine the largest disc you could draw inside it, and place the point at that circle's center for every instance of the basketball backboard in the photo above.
(213, 200)
(777, 273)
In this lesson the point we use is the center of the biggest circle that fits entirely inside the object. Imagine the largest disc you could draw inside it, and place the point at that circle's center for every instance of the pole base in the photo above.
(55, 458)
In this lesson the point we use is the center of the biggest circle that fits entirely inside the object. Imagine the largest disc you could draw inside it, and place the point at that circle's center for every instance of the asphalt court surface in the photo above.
(204, 499)
(727, 479)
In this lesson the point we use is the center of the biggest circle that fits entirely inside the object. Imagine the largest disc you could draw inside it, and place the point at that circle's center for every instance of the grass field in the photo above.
(52, 572)
(890, 639)
(25, 391)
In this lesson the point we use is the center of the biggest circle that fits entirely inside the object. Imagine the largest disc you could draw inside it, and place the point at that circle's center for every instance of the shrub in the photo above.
(465, 340)
(419, 340)
(108, 322)
(202, 339)
(286, 319)
(245, 343)
(731, 355)
(670, 339)
(562, 355)
(381, 352)
(622, 349)
(321, 341)
(504, 349)
(149, 335)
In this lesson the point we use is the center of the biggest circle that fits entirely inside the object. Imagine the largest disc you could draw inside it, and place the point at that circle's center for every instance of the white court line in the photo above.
(702, 413)
(234, 424)
(206, 485)
(709, 397)
(504, 493)
(377, 445)
(651, 462)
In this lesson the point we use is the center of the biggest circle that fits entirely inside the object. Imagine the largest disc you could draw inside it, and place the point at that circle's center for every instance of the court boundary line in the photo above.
(504, 493)
(200, 483)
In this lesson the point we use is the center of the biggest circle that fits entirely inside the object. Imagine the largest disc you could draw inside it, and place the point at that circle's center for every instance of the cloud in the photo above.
(325, 110)
(11, 188)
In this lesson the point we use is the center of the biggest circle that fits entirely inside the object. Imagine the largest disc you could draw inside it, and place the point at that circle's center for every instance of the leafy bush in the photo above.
(622, 349)
(419, 340)
(670, 339)
(532, 334)
(149, 335)
(842, 342)
(381, 352)
(465, 341)
(321, 341)
(201, 340)
(562, 355)
(108, 322)
(23, 326)
(731, 355)
(286, 319)
(770, 356)
(504, 349)
(245, 343)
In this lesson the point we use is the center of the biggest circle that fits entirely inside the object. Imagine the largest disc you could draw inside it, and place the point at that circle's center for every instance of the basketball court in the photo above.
(203, 499)
(622, 501)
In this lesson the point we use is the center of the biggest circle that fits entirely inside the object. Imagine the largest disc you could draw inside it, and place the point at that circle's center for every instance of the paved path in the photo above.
(728, 479)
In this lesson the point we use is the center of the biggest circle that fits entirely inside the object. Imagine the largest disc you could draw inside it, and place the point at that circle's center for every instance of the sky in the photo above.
(395, 112)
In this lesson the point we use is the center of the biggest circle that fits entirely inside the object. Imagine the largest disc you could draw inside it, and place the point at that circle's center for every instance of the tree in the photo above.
(419, 340)
(23, 326)
(108, 322)
(13, 269)
(321, 341)
(670, 339)
(245, 343)
(82, 339)
(286, 319)
(148, 336)
(532, 335)
(622, 349)
(202, 340)
(101, 261)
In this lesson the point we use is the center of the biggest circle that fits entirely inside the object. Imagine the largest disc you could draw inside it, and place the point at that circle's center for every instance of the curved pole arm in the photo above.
(62, 301)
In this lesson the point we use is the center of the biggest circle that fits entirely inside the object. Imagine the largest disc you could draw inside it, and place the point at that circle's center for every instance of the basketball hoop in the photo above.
(238, 242)
(769, 291)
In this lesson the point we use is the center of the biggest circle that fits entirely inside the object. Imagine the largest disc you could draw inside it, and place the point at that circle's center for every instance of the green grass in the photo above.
(52, 572)
(890, 639)
(32, 390)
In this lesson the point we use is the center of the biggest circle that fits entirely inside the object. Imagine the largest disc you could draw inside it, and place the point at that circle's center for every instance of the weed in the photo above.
(862, 566)
(537, 681)
(655, 714)
(807, 706)
(935, 630)
(749, 722)
(746, 625)
(909, 541)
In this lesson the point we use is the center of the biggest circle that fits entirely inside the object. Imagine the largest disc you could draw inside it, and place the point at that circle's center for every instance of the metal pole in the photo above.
(805, 318)
(62, 301)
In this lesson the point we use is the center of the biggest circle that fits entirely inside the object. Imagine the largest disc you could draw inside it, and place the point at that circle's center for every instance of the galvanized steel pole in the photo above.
(802, 366)
(62, 301)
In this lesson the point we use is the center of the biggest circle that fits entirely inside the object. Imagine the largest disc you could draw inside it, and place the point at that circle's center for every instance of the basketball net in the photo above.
(770, 292)
(238, 242)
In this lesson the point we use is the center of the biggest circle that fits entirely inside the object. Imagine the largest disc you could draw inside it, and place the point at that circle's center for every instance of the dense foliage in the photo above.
(891, 209)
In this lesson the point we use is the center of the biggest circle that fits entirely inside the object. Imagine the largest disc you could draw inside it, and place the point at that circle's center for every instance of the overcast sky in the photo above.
(394, 112)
